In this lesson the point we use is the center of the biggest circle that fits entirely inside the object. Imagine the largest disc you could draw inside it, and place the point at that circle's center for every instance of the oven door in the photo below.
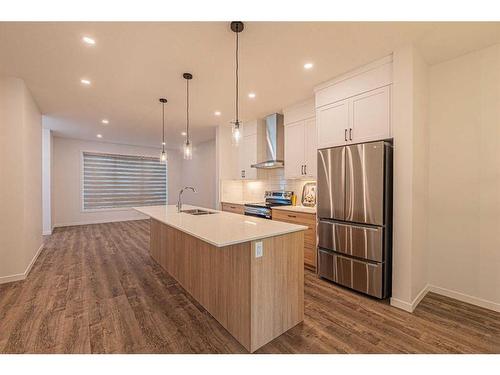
(264, 213)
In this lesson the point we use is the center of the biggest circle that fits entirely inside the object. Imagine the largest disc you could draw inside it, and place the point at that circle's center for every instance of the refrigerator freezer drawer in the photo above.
(355, 274)
(358, 241)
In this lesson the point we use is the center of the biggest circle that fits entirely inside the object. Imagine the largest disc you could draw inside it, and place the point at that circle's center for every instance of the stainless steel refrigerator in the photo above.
(354, 208)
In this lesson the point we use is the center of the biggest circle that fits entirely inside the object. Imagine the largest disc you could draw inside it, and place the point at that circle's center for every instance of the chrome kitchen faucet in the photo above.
(179, 201)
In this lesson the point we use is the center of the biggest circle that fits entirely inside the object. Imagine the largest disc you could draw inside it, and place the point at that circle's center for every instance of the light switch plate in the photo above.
(259, 249)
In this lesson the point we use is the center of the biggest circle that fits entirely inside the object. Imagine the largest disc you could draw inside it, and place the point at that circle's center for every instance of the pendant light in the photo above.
(163, 155)
(188, 148)
(237, 27)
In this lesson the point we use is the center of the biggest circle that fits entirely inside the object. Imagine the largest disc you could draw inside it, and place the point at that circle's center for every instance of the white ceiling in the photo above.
(133, 64)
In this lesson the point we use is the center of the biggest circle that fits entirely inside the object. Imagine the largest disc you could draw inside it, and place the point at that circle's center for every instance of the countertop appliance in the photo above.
(309, 194)
(272, 199)
(355, 216)
(273, 143)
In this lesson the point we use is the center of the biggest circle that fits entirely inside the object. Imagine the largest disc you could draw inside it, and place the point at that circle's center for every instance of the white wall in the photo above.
(66, 197)
(46, 181)
(20, 180)
(200, 173)
(410, 132)
(464, 178)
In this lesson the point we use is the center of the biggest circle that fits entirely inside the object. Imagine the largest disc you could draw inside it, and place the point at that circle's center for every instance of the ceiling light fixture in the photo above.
(251, 95)
(217, 113)
(183, 134)
(237, 27)
(308, 65)
(99, 135)
(88, 40)
(105, 122)
(188, 147)
(85, 82)
(163, 155)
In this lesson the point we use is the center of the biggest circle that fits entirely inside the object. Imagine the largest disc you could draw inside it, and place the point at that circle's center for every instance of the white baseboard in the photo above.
(410, 306)
(22, 276)
(490, 305)
(89, 222)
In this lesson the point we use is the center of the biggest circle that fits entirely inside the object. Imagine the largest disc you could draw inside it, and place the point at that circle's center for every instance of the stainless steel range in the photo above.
(272, 199)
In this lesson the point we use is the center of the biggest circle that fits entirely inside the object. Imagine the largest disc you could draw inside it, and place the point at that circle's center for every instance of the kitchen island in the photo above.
(246, 272)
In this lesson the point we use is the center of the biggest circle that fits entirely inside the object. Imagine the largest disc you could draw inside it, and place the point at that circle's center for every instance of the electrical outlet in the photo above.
(259, 249)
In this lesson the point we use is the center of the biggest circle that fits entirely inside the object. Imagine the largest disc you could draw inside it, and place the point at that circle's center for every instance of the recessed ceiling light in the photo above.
(85, 82)
(183, 134)
(99, 135)
(217, 113)
(104, 121)
(251, 95)
(308, 65)
(88, 40)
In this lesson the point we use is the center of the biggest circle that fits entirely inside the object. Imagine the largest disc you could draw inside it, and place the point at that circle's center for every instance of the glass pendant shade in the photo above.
(188, 151)
(163, 157)
(236, 134)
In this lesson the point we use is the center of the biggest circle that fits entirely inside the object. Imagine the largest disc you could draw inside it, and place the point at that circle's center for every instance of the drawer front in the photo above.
(355, 274)
(234, 208)
(358, 241)
(295, 217)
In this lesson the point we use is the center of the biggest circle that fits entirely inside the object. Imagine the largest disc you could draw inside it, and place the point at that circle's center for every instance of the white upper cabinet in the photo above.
(311, 148)
(333, 124)
(248, 150)
(294, 150)
(371, 114)
(300, 141)
(356, 107)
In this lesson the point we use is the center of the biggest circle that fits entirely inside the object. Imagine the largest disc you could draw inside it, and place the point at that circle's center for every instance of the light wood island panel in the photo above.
(255, 299)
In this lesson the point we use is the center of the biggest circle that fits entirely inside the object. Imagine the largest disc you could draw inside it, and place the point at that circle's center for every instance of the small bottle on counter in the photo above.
(294, 200)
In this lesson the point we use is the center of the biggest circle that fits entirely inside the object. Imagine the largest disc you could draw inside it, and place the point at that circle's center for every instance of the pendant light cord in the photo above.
(237, 79)
(187, 111)
(163, 127)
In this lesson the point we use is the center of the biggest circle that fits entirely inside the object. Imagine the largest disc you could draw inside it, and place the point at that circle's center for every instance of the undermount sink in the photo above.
(197, 211)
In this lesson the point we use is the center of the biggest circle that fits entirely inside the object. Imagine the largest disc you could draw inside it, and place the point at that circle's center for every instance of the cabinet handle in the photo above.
(302, 169)
(345, 135)
(291, 216)
(350, 134)
(305, 168)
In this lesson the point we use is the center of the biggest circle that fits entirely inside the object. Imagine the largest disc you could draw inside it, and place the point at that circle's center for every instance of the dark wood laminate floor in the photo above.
(94, 289)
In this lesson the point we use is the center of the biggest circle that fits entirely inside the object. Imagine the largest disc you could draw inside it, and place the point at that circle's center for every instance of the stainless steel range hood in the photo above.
(274, 143)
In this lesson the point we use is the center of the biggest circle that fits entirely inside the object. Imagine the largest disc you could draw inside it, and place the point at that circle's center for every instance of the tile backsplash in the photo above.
(253, 190)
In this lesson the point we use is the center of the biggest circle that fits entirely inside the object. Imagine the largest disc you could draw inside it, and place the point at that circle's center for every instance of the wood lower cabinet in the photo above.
(308, 220)
(234, 208)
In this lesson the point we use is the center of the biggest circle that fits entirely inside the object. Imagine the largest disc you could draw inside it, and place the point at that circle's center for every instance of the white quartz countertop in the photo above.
(304, 209)
(220, 229)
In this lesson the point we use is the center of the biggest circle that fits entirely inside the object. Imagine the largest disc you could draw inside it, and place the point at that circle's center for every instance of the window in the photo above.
(118, 181)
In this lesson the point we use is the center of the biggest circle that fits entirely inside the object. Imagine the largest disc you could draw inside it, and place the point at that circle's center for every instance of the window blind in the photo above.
(115, 181)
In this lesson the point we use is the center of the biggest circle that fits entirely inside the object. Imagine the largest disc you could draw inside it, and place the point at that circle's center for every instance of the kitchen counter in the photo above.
(304, 209)
(220, 229)
(247, 272)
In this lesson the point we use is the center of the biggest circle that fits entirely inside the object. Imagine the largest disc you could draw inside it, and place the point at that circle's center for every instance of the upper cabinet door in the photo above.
(249, 150)
(310, 147)
(371, 116)
(294, 150)
(332, 123)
